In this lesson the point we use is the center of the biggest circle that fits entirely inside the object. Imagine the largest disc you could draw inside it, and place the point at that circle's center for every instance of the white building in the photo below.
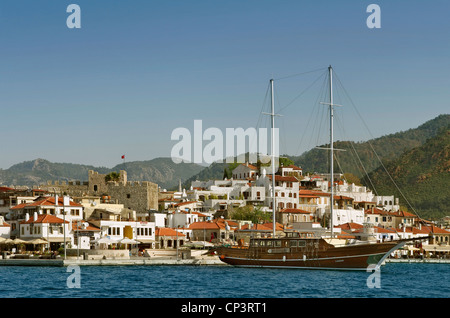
(47, 226)
(5, 228)
(286, 191)
(350, 215)
(142, 231)
(389, 203)
(25, 215)
(245, 171)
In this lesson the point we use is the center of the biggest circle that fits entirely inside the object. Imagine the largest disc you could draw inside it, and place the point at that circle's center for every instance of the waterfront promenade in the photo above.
(205, 261)
(168, 260)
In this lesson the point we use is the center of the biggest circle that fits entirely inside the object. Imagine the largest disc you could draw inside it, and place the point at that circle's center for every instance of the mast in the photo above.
(272, 114)
(330, 70)
(273, 156)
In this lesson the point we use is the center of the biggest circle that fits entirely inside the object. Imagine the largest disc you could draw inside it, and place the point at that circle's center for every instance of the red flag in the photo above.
(123, 156)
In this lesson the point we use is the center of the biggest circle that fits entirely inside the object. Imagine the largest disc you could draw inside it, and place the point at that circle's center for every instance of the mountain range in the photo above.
(159, 170)
(418, 158)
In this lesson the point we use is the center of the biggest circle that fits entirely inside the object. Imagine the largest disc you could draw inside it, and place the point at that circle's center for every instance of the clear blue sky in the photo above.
(136, 70)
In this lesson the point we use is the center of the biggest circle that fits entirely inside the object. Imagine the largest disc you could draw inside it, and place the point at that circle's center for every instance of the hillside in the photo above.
(160, 170)
(387, 147)
(423, 176)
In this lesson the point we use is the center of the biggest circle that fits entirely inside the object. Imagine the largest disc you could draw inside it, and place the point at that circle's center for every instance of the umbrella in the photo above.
(2, 239)
(105, 240)
(38, 241)
(128, 241)
(8, 241)
(18, 241)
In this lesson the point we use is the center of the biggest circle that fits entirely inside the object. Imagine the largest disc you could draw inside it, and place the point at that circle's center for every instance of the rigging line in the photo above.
(339, 166)
(260, 114)
(281, 135)
(319, 115)
(263, 105)
(356, 153)
(322, 111)
(313, 111)
(357, 156)
(298, 74)
(304, 91)
(376, 154)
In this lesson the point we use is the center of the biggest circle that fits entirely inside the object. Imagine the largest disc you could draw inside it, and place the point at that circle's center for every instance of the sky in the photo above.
(137, 70)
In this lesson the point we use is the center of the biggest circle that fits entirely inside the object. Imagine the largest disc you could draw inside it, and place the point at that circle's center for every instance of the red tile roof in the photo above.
(206, 226)
(5, 224)
(293, 167)
(258, 227)
(300, 211)
(342, 197)
(403, 214)
(350, 226)
(90, 227)
(249, 165)
(6, 189)
(47, 201)
(283, 178)
(166, 231)
(313, 193)
(434, 229)
(44, 218)
(185, 203)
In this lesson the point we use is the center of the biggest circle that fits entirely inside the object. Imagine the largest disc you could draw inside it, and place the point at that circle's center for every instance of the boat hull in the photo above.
(352, 257)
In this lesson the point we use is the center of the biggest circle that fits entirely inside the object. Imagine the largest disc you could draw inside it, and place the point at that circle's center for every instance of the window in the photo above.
(293, 243)
(95, 187)
(128, 196)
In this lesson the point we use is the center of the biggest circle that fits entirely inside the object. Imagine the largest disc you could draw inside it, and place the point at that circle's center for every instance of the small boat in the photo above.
(304, 250)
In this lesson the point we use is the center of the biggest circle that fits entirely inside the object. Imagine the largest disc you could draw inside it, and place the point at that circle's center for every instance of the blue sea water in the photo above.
(396, 280)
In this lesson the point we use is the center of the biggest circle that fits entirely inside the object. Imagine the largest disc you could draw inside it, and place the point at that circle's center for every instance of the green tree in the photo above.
(250, 213)
(112, 176)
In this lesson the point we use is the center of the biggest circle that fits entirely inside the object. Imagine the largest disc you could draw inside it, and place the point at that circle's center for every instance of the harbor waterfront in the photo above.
(155, 262)
(397, 280)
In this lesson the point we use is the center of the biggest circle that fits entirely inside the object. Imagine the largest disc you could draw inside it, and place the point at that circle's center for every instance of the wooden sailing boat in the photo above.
(303, 250)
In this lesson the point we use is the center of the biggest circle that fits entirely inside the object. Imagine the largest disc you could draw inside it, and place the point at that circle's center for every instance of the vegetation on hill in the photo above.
(422, 174)
(162, 171)
(359, 158)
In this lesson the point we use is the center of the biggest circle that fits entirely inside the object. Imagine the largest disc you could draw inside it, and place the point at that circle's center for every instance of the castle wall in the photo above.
(138, 196)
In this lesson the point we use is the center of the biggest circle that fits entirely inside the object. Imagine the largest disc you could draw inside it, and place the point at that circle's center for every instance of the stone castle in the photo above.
(139, 196)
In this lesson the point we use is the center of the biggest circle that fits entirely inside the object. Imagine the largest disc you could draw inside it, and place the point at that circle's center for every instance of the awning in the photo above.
(411, 248)
(437, 248)
(57, 239)
(145, 241)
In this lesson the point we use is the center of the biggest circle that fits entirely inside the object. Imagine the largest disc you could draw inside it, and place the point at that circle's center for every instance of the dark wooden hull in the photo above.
(316, 254)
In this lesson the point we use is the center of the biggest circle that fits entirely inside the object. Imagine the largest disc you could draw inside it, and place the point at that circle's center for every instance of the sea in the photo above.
(206, 284)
